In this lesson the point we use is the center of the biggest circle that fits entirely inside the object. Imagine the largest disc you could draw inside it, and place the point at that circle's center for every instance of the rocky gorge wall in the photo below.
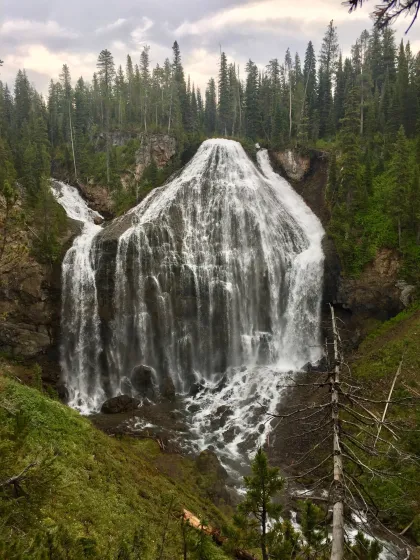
(378, 293)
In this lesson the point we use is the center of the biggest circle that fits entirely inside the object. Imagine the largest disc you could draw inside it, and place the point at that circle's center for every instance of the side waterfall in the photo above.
(80, 338)
(214, 278)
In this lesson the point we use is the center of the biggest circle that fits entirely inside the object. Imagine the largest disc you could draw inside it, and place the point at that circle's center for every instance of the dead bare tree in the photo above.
(16, 481)
(364, 443)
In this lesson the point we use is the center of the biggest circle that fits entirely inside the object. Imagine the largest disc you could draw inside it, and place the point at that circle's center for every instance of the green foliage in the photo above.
(364, 549)
(261, 488)
(377, 361)
(86, 495)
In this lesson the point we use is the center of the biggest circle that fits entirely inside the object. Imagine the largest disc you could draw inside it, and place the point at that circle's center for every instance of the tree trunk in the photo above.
(290, 105)
(72, 143)
(264, 532)
(337, 549)
(399, 233)
(170, 110)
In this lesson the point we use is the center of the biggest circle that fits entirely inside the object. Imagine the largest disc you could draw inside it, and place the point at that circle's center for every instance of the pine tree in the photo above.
(350, 191)
(68, 110)
(210, 111)
(327, 69)
(261, 487)
(400, 184)
(339, 97)
(106, 71)
(224, 109)
(251, 101)
(145, 83)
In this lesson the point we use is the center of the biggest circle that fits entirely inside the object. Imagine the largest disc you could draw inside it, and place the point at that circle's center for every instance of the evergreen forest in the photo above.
(363, 111)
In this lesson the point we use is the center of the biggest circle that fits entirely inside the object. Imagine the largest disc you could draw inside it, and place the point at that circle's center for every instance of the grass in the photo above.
(375, 366)
(104, 491)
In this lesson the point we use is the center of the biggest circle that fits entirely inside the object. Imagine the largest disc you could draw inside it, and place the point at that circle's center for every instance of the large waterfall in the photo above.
(215, 276)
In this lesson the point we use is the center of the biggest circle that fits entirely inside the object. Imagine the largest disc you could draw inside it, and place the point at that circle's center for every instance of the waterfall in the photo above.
(80, 336)
(214, 278)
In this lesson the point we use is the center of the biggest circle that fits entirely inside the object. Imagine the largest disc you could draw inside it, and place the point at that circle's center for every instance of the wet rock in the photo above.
(167, 389)
(222, 383)
(122, 403)
(193, 408)
(195, 389)
(223, 412)
(229, 435)
(62, 392)
(126, 386)
(143, 380)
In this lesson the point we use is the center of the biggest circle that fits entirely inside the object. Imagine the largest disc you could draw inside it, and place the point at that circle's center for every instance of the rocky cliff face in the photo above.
(30, 301)
(159, 148)
(378, 292)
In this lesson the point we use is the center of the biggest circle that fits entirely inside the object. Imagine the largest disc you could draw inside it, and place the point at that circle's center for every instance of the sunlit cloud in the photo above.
(29, 29)
(139, 34)
(269, 12)
(111, 26)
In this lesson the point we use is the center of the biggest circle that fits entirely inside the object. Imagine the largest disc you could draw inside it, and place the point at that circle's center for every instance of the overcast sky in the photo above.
(41, 35)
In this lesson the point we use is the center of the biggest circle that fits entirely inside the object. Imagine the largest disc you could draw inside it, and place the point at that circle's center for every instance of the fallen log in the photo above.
(214, 534)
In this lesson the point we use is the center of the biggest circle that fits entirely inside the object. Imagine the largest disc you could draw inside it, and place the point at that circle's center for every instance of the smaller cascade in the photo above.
(81, 342)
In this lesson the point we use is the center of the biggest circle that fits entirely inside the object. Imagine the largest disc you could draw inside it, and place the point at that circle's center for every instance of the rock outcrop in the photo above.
(143, 379)
(30, 299)
(294, 164)
(157, 147)
(99, 198)
(377, 292)
(121, 403)
(29, 295)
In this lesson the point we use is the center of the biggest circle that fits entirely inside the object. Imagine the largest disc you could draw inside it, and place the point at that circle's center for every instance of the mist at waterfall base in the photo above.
(214, 280)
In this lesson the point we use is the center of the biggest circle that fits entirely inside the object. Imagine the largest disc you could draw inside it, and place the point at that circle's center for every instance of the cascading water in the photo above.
(215, 278)
(81, 341)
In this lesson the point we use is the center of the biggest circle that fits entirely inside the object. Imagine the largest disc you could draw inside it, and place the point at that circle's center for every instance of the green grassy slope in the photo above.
(375, 365)
(88, 495)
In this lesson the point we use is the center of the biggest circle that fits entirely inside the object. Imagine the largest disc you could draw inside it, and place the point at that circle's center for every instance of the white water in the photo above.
(80, 320)
(216, 275)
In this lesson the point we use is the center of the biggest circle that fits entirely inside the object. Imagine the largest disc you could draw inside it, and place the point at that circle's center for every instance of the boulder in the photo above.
(122, 403)
(167, 389)
(195, 389)
(215, 477)
(208, 463)
(143, 379)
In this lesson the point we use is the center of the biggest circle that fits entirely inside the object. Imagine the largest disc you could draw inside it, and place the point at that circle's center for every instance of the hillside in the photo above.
(85, 494)
(375, 365)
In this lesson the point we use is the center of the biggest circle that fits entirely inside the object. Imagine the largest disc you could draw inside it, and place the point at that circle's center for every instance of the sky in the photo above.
(41, 35)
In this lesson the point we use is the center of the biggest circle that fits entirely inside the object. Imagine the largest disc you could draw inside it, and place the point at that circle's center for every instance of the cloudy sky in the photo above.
(41, 35)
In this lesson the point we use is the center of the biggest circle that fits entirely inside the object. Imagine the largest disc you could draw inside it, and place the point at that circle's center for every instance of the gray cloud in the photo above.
(40, 36)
